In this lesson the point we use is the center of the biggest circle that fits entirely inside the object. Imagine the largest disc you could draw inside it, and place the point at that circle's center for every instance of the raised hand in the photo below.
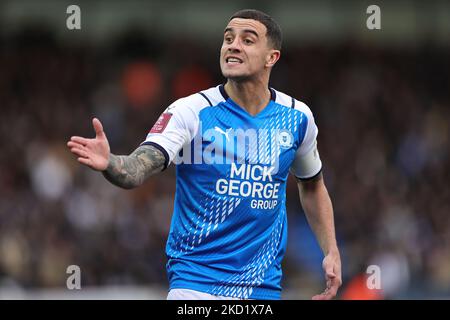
(93, 153)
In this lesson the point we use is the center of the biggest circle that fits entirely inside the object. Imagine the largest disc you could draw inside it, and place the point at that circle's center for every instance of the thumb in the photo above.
(328, 267)
(330, 272)
(98, 127)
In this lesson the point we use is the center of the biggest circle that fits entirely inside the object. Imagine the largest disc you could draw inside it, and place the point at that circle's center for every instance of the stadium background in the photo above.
(380, 98)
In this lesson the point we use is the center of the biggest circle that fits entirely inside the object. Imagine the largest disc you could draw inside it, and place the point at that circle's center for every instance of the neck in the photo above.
(250, 95)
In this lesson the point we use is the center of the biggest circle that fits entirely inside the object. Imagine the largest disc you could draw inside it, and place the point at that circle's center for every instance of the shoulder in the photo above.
(290, 102)
(213, 95)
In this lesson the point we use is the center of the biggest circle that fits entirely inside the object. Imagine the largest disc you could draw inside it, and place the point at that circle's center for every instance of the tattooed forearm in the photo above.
(131, 171)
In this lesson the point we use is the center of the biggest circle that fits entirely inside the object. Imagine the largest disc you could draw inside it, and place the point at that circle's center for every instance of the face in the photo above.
(246, 52)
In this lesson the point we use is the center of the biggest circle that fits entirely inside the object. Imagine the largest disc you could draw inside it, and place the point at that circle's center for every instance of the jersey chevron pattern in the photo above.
(229, 226)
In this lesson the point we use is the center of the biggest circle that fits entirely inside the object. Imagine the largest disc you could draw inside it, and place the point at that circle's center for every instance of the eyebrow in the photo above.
(245, 30)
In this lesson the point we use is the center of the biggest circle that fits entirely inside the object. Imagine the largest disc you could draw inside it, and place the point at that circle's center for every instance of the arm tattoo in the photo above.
(131, 171)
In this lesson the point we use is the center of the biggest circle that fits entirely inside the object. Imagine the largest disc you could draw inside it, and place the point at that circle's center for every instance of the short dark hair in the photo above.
(273, 29)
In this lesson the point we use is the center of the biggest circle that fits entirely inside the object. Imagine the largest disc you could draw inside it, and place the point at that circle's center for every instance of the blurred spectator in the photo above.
(189, 80)
(142, 83)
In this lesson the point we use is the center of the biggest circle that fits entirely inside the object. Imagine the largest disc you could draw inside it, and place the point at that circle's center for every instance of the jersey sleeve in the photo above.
(307, 163)
(175, 128)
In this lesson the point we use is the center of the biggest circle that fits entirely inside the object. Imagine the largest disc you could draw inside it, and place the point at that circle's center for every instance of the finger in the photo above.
(323, 296)
(328, 294)
(332, 291)
(97, 127)
(79, 140)
(332, 288)
(79, 152)
(335, 283)
(85, 161)
(319, 297)
(72, 144)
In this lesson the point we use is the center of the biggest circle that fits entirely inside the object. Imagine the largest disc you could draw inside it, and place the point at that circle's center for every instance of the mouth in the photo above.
(233, 61)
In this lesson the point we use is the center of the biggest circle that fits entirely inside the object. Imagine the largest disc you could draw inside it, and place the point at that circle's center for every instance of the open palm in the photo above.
(92, 152)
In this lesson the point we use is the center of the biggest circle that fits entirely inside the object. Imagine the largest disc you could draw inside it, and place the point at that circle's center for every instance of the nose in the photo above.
(235, 46)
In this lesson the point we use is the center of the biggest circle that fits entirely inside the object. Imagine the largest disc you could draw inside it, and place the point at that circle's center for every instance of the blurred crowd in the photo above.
(383, 116)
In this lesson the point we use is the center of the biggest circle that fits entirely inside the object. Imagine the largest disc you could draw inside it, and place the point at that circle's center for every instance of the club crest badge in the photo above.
(285, 139)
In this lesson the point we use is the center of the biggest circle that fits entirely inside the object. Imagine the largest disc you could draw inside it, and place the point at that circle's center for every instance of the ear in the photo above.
(272, 58)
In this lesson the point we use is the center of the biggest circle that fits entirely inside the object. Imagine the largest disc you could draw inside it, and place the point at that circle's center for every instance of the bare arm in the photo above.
(123, 171)
(319, 213)
(131, 171)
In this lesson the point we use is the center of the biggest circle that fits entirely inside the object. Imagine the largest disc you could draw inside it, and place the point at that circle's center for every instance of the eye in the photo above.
(248, 41)
(228, 39)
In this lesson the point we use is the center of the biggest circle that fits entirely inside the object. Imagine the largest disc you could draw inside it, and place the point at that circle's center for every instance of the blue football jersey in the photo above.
(229, 225)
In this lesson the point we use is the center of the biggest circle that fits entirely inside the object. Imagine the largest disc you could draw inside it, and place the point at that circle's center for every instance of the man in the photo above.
(234, 146)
